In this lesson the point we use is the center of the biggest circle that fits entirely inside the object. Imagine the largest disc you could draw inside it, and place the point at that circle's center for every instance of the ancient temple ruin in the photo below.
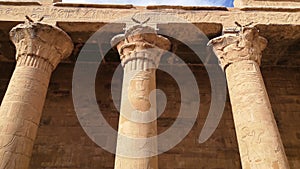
(125, 52)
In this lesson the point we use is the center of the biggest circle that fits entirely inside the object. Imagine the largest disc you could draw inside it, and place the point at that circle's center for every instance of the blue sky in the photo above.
(228, 3)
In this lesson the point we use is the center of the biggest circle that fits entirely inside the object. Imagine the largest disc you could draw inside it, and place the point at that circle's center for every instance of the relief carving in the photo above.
(139, 90)
(40, 46)
(258, 138)
(141, 39)
(34, 39)
(247, 45)
(140, 50)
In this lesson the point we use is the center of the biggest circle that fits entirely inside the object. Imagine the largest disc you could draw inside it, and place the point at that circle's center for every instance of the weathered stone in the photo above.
(267, 3)
(40, 48)
(100, 14)
(36, 40)
(258, 137)
(231, 48)
(62, 143)
(140, 49)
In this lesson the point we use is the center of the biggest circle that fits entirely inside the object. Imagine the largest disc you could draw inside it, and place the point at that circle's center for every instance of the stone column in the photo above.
(39, 48)
(258, 137)
(140, 50)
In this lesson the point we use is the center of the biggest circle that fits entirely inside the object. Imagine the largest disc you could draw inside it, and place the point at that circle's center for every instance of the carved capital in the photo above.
(247, 45)
(38, 44)
(141, 42)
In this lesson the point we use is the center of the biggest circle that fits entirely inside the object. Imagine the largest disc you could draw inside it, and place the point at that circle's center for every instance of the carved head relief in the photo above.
(139, 90)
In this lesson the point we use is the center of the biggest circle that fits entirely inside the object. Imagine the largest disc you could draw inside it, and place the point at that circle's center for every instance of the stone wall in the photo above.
(61, 142)
(283, 88)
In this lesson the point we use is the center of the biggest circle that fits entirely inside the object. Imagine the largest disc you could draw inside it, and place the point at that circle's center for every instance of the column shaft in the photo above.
(21, 111)
(258, 137)
(39, 48)
(138, 88)
(140, 50)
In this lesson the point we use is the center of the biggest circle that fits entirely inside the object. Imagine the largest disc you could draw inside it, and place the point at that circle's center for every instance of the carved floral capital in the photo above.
(141, 39)
(247, 45)
(42, 41)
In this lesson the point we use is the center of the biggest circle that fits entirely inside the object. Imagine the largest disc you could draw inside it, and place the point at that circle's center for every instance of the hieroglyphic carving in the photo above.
(105, 15)
(257, 133)
(256, 128)
(140, 49)
(50, 13)
(40, 48)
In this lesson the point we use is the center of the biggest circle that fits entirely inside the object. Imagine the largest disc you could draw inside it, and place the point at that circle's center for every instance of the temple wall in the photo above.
(61, 142)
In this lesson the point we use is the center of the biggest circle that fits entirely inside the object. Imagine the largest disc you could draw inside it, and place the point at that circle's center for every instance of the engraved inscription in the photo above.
(26, 93)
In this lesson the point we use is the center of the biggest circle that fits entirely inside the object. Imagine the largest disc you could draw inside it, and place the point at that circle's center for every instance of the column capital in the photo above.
(140, 39)
(246, 45)
(42, 42)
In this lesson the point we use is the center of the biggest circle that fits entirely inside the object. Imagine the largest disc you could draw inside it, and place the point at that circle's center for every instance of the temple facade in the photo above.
(86, 86)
